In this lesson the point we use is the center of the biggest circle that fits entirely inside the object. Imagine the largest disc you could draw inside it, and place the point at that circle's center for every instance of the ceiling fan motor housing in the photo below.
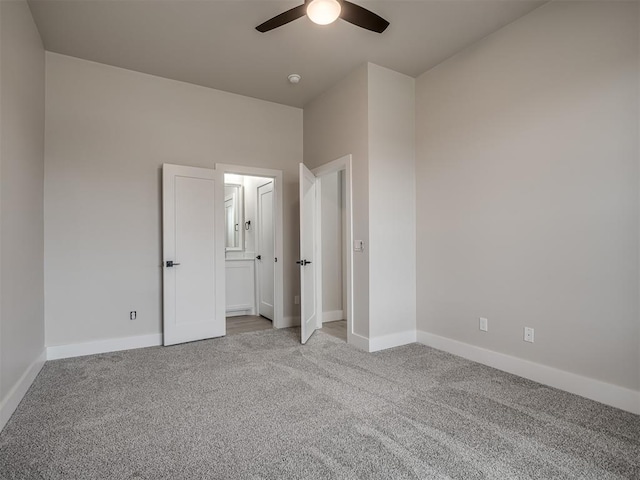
(350, 12)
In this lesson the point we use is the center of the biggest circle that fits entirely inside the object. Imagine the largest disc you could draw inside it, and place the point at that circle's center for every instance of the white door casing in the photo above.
(266, 251)
(194, 242)
(309, 294)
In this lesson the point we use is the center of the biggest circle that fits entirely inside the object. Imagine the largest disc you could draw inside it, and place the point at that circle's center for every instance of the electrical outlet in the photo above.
(132, 315)
(484, 324)
(528, 334)
(296, 300)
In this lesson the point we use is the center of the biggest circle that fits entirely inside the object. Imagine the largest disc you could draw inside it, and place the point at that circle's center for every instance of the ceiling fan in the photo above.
(324, 12)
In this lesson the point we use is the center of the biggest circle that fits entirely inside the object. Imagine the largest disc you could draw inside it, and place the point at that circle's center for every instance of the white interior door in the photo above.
(193, 253)
(266, 251)
(309, 300)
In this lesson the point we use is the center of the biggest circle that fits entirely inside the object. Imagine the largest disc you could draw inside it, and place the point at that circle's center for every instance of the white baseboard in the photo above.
(332, 316)
(392, 340)
(607, 393)
(11, 401)
(289, 322)
(103, 346)
(358, 341)
(381, 343)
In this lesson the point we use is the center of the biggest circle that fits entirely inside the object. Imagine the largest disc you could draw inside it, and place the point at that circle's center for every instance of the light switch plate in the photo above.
(484, 324)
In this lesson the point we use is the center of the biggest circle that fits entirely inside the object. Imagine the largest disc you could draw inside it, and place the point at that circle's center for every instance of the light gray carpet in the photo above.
(259, 405)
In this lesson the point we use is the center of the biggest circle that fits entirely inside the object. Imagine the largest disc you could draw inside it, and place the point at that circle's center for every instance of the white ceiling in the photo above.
(214, 42)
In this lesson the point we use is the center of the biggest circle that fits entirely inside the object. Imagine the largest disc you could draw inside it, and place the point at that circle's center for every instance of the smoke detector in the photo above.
(294, 78)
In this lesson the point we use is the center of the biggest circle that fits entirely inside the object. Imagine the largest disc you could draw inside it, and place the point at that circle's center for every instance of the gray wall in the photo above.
(527, 201)
(108, 131)
(336, 124)
(392, 203)
(21, 186)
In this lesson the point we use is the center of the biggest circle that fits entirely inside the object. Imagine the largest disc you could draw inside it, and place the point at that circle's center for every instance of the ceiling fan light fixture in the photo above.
(323, 12)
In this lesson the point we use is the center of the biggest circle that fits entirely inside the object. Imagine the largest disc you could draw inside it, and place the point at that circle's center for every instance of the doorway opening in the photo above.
(332, 247)
(253, 245)
(325, 239)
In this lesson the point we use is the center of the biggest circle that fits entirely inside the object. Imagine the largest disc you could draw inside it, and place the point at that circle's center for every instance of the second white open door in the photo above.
(309, 301)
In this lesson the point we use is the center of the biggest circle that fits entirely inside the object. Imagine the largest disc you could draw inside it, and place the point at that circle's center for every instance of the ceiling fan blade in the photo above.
(362, 17)
(286, 17)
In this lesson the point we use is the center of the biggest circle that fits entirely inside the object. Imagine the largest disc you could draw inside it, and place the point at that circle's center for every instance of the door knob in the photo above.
(258, 257)
(171, 263)
(303, 262)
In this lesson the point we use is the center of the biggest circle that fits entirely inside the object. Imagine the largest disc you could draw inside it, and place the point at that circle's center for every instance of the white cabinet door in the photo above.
(240, 287)
(193, 253)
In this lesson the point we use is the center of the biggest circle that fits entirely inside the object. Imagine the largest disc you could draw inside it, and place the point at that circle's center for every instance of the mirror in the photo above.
(234, 216)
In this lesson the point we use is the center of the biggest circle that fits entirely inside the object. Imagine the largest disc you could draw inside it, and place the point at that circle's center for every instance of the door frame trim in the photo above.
(278, 189)
(341, 164)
